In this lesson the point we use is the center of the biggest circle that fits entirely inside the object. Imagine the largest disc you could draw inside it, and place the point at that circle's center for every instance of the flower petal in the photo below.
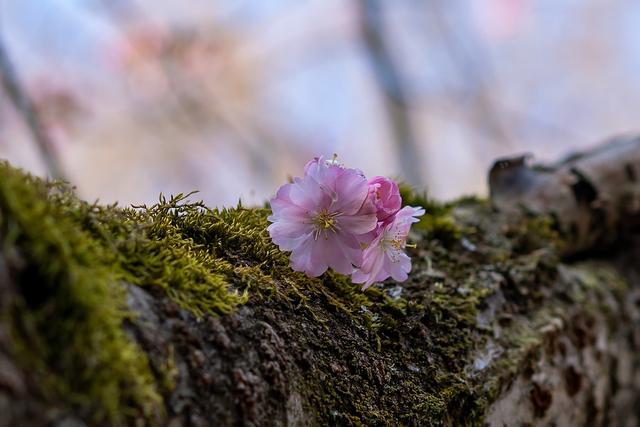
(398, 266)
(352, 189)
(306, 193)
(346, 253)
(283, 207)
(288, 235)
(303, 259)
(357, 224)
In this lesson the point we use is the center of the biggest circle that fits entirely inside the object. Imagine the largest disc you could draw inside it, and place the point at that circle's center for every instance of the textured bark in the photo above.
(588, 372)
(594, 196)
(496, 329)
(584, 372)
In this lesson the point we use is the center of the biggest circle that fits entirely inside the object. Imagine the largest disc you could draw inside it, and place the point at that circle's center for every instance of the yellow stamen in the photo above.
(324, 222)
(396, 243)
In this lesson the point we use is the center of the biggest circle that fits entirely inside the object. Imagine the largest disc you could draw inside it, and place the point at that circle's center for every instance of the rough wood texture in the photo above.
(594, 196)
(585, 371)
(492, 328)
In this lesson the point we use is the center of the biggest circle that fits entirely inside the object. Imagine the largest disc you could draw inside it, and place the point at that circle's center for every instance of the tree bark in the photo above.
(593, 196)
(499, 324)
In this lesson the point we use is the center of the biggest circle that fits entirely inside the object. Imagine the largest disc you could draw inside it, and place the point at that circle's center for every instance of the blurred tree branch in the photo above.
(388, 79)
(466, 58)
(25, 108)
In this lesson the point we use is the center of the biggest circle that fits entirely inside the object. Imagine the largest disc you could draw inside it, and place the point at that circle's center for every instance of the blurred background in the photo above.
(130, 98)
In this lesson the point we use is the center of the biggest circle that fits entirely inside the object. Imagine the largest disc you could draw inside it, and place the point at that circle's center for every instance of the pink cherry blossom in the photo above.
(319, 216)
(385, 255)
(386, 197)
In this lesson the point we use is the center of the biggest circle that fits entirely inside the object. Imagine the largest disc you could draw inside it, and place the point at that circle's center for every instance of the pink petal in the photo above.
(322, 173)
(352, 189)
(281, 204)
(281, 210)
(347, 253)
(288, 235)
(357, 224)
(370, 271)
(359, 276)
(306, 193)
(330, 251)
(398, 266)
(302, 259)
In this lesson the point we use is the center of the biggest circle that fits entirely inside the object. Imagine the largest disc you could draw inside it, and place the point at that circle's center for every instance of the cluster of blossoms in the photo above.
(333, 217)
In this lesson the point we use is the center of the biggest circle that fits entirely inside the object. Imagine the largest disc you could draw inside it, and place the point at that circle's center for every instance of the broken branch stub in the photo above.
(593, 196)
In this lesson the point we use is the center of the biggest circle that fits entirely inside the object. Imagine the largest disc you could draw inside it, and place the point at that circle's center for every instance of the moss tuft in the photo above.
(67, 314)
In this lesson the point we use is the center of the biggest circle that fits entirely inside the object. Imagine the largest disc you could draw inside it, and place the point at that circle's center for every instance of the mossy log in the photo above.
(176, 314)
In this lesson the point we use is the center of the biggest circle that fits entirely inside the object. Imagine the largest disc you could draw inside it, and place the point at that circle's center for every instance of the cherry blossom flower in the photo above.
(386, 197)
(385, 255)
(333, 218)
(319, 216)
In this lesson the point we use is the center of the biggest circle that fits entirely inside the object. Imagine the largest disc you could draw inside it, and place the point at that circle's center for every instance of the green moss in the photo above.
(71, 258)
(152, 247)
(437, 223)
(534, 232)
(68, 311)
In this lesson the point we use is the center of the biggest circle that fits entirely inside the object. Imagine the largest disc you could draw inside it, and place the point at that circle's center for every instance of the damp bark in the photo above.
(520, 310)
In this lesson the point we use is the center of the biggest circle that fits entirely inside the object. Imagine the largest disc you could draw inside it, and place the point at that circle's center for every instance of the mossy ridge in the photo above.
(524, 251)
(149, 250)
(210, 260)
(437, 222)
(66, 319)
(423, 361)
(240, 248)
